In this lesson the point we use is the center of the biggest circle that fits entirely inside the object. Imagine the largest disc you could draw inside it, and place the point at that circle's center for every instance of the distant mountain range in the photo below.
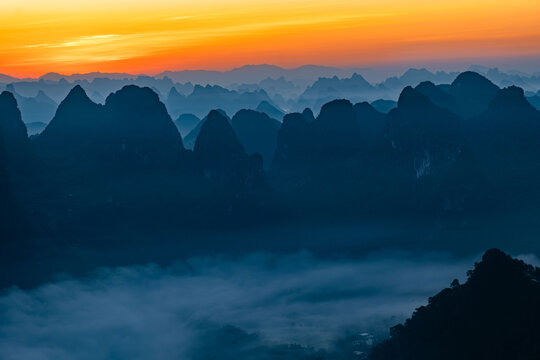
(287, 90)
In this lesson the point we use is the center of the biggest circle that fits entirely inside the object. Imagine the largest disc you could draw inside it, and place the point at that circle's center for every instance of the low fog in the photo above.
(177, 312)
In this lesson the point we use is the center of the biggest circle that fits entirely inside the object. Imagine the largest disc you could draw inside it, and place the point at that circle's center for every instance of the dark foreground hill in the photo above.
(494, 315)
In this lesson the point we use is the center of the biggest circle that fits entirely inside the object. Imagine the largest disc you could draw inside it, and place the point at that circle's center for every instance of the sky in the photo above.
(140, 36)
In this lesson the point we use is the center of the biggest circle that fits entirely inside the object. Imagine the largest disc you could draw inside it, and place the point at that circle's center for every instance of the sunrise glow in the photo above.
(151, 36)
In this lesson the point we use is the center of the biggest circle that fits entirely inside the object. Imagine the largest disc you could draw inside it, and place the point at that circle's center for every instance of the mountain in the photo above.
(430, 154)
(472, 93)
(175, 102)
(318, 163)
(308, 115)
(355, 88)
(270, 110)
(257, 133)
(78, 122)
(413, 77)
(383, 106)
(141, 127)
(493, 315)
(132, 126)
(186, 123)
(7, 79)
(437, 95)
(280, 86)
(88, 76)
(221, 157)
(191, 137)
(19, 152)
(205, 98)
(293, 146)
(506, 137)
(371, 124)
(40, 108)
(14, 228)
(302, 75)
(337, 128)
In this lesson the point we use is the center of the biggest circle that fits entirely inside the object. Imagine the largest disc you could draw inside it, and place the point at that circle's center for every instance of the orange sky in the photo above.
(150, 36)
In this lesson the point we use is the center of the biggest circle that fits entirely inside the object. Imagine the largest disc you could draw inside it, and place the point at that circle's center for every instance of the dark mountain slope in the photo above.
(507, 140)
(430, 154)
(472, 93)
(19, 152)
(77, 122)
(494, 315)
(371, 124)
(257, 132)
(437, 96)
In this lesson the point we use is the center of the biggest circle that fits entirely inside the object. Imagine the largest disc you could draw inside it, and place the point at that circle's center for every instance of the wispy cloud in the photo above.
(82, 41)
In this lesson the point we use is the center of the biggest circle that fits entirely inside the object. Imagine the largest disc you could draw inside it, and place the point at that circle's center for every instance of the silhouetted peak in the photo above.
(486, 317)
(217, 136)
(269, 109)
(173, 93)
(365, 108)
(497, 267)
(426, 85)
(510, 97)
(76, 97)
(216, 120)
(13, 133)
(495, 256)
(308, 115)
(41, 94)
(416, 72)
(133, 94)
(199, 90)
(336, 107)
(474, 79)
(411, 98)
(7, 99)
(248, 113)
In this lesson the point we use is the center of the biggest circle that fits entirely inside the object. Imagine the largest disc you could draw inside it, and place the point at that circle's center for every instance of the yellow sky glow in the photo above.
(151, 36)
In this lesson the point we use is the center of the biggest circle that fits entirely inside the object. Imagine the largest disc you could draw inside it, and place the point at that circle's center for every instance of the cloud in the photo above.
(153, 312)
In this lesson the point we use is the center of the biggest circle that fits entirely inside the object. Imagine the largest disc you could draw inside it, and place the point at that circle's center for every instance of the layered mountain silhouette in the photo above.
(199, 100)
(443, 155)
(472, 93)
(355, 88)
(40, 108)
(493, 315)
(371, 124)
(221, 158)
(506, 139)
(430, 152)
(270, 110)
(77, 123)
(132, 126)
(186, 123)
(191, 137)
(257, 133)
(18, 151)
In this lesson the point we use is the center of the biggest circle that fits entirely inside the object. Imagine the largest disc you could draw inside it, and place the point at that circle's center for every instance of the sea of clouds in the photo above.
(173, 312)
